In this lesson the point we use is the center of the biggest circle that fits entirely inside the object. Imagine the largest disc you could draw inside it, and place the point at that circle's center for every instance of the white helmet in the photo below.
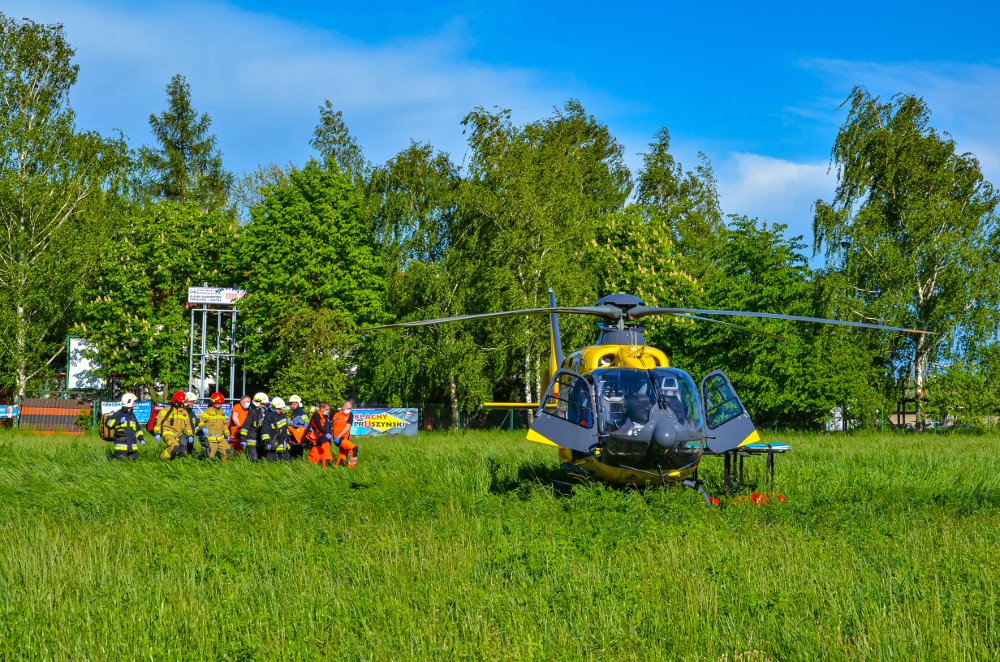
(296, 399)
(277, 403)
(260, 399)
(128, 400)
(189, 397)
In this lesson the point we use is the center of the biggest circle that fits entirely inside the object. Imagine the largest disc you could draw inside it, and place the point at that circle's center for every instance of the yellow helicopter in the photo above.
(620, 414)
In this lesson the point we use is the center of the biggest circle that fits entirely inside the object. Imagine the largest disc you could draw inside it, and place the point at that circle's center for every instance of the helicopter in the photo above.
(620, 414)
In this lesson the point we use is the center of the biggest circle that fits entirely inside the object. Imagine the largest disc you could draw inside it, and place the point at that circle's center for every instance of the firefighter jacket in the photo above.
(250, 430)
(173, 422)
(236, 419)
(341, 424)
(213, 423)
(126, 429)
(274, 431)
(319, 427)
(194, 419)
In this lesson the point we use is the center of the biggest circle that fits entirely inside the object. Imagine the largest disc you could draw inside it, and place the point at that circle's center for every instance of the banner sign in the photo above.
(382, 421)
(222, 296)
(8, 411)
(142, 409)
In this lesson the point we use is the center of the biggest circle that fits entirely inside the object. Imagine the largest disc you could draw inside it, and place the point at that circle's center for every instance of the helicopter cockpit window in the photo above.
(625, 396)
(569, 399)
(721, 404)
(676, 390)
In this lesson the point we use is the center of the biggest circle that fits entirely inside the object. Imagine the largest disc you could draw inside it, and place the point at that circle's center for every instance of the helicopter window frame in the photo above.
(565, 405)
(687, 397)
(617, 411)
(721, 402)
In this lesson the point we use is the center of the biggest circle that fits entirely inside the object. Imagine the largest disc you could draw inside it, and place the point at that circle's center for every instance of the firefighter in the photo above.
(319, 436)
(250, 430)
(341, 424)
(236, 418)
(127, 431)
(189, 399)
(212, 424)
(274, 432)
(173, 426)
(298, 424)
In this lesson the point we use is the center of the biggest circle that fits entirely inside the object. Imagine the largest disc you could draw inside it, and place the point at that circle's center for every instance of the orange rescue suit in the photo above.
(235, 423)
(342, 431)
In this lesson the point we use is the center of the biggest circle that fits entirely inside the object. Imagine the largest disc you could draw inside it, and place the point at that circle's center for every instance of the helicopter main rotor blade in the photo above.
(646, 311)
(736, 326)
(611, 312)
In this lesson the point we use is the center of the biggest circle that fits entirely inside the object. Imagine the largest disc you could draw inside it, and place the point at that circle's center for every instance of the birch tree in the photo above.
(55, 189)
(912, 231)
(536, 195)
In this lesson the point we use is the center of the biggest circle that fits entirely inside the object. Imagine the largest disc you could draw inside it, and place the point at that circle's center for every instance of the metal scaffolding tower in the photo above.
(217, 340)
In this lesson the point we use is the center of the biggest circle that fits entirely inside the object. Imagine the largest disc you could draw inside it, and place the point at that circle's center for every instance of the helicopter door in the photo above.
(566, 415)
(726, 419)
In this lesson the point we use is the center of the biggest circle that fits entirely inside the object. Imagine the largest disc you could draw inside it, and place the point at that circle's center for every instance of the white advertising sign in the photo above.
(81, 372)
(224, 296)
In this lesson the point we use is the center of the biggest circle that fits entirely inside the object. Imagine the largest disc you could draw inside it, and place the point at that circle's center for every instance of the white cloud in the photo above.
(773, 190)
(261, 78)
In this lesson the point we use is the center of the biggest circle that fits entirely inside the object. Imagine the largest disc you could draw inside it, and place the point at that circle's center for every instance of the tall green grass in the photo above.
(448, 547)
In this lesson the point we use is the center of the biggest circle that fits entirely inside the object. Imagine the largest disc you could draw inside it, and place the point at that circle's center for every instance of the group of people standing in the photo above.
(261, 428)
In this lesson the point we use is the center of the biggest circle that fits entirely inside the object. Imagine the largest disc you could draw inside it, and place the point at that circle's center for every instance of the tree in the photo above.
(56, 188)
(913, 232)
(315, 346)
(334, 142)
(415, 199)
(136, 313)
(685, 202)
(535, 198)
(435, 363)
(308, 247)
(186, 164)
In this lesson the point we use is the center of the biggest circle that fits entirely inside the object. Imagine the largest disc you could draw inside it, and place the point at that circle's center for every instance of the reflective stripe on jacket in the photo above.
(126, 429)
(213, 422)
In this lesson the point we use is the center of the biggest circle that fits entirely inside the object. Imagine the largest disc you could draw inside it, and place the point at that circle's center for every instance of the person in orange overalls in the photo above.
(236, 419)
(319, 436)
(341, 423)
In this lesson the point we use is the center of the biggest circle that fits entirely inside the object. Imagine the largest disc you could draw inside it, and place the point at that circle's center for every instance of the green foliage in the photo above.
(333, 140)
(315, 348)
(415, 197)
(186, 164)
(307, 247)
(685, 202)
(456, 547)
(913, 233)
(441, 363)
(533, 201)
(57, 198)
(136, 315)
(964, 394)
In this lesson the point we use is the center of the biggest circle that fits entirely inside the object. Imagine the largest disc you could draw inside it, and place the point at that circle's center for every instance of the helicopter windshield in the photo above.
(675, 389)
(625, 396)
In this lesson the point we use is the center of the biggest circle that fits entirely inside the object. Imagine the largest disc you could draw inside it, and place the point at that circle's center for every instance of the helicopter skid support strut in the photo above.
(696, 485)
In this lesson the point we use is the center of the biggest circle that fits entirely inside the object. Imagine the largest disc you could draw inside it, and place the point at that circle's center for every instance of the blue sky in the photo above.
(755, 86)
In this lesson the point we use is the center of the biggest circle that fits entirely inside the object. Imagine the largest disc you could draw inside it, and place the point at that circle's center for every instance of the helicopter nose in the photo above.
(665, 433)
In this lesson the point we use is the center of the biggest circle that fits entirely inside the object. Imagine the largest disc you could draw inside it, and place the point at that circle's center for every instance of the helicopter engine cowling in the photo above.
(664, 435)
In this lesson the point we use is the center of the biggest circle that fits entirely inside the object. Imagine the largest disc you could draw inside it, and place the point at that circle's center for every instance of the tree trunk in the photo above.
(20, 362)
(453, 392)
(919, 359)
(527, 386)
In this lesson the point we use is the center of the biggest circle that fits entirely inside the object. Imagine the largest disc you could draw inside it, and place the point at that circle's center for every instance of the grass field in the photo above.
(452, 547)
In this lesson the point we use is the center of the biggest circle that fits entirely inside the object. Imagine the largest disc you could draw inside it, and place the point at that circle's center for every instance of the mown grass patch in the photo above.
(455, 547)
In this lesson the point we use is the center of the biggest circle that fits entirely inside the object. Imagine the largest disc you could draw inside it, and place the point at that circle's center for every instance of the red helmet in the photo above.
(178, 398)
(217, 398)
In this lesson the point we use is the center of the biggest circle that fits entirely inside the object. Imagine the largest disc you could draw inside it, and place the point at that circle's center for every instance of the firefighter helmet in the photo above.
(217, 398)
(178, 398)
(277, 403)
(128, 400)
(260, 399)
